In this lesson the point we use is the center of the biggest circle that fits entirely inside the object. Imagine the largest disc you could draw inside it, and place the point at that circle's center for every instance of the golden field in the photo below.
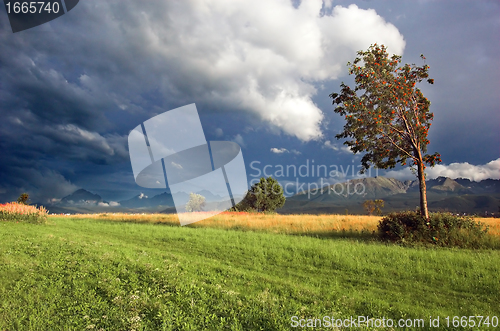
(276, 223)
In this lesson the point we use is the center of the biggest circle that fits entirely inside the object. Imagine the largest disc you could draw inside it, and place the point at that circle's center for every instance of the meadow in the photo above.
(235, 271)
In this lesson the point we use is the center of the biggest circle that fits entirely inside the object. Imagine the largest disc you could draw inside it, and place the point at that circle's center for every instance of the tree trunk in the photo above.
(423, 190)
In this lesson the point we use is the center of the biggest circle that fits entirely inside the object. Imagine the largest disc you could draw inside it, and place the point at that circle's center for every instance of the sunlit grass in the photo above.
(132, 273)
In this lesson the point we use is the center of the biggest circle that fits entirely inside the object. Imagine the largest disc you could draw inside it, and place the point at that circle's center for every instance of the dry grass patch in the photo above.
(492, 223)
(292, 224)
(275, 223)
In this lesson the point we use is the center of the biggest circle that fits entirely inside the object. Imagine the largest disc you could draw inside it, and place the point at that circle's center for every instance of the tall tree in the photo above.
(387, 116)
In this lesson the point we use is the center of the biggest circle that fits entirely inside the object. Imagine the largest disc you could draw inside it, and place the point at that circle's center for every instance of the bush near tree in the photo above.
(264, 196)
(440, 229)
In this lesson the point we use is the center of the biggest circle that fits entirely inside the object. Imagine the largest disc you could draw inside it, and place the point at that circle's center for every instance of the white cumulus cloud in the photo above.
(337, 147)
(284, 150)
(454, 170)
(279, 150)
(262, 57)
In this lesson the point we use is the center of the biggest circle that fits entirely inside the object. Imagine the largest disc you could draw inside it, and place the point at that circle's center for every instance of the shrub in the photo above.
(442, 229)
(18, 212)
(264, 196)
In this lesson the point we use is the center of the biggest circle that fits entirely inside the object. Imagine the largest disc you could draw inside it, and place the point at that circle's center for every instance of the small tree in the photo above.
(196, 202)
(387, 116)
(24, 199)
(374, 206)
(266, 195)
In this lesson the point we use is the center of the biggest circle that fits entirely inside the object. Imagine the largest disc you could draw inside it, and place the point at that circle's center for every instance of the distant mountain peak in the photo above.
(143, 201)
(445, 184)
(82, 196)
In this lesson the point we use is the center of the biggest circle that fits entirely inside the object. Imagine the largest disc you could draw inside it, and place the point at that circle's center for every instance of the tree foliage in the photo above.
(196, 202)
(266, 195)
(387, 116)
(374, 206)
(24, 199)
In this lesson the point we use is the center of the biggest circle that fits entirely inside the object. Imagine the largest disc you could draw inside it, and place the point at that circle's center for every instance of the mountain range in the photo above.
(443, 194)
(83, 201)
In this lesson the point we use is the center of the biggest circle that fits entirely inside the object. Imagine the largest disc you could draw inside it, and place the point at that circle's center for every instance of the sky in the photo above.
(260, 73)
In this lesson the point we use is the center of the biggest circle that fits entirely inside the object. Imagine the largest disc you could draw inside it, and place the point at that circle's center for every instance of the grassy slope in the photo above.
(74, 274)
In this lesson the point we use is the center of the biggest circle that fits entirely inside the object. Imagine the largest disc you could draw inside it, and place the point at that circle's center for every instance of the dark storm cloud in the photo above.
(47, 96)
(51, 111)
(71, 90)
(464, 53)
(41, 183)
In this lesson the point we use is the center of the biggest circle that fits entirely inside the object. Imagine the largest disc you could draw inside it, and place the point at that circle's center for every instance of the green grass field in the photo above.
(78, 274)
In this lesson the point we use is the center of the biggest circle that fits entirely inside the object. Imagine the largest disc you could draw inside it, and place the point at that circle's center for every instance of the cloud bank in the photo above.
(454, 170)
(250, 58)
(262, 58)
(71, 89)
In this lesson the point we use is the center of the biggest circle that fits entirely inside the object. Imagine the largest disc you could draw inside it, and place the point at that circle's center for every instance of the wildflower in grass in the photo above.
(135, 319)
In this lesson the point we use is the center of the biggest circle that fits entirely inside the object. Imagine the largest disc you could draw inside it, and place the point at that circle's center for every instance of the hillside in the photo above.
(81, 197)
(443, 194)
